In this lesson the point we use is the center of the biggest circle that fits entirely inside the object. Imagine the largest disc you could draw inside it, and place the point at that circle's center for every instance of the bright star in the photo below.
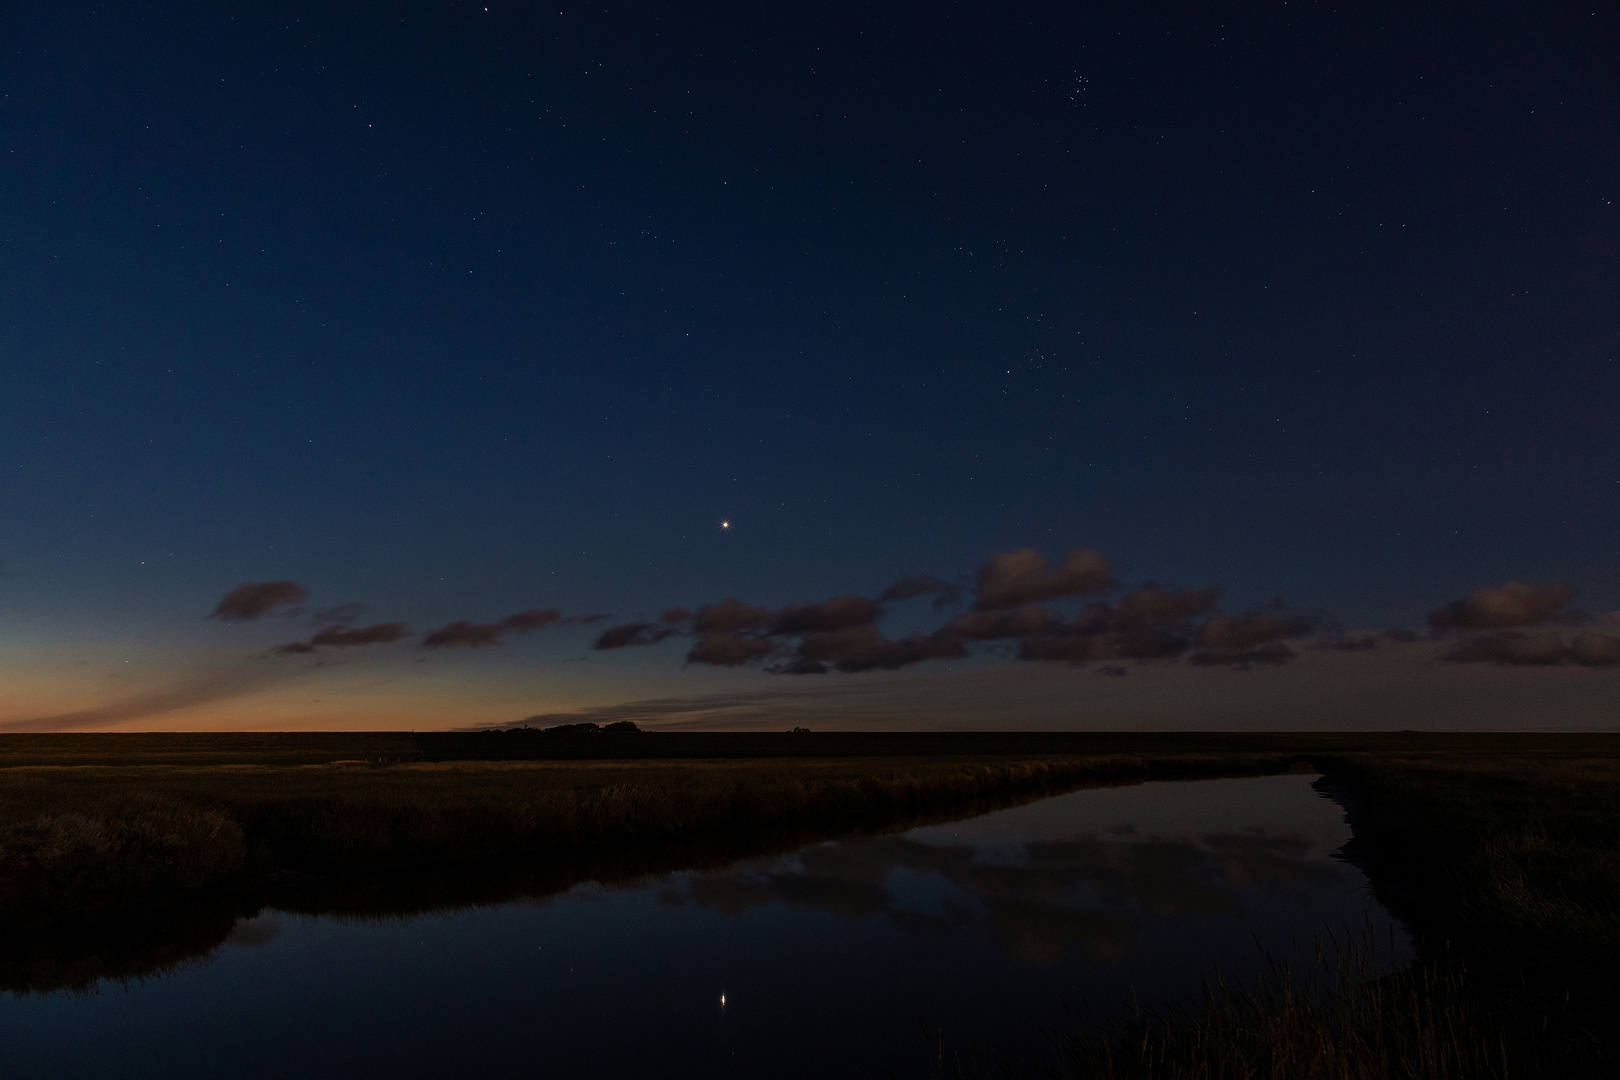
(725, 524)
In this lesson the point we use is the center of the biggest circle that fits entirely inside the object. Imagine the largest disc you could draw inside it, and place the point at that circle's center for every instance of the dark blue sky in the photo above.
(463, 310)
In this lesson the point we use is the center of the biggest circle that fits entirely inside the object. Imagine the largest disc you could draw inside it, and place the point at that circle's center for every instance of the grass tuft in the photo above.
(129, 843)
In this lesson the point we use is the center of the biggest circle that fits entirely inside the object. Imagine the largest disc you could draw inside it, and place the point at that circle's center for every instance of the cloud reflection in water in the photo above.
(1034, 901)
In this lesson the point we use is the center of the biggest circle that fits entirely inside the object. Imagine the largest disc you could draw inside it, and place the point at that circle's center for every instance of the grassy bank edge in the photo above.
(80, 840)
(1505, 866)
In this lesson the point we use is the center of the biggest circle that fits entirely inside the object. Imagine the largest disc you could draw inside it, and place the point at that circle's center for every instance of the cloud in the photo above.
(733, 633)
(1151, 623)
(909, 588)
(533, 619)
(800, 665)
(851, 648)
(1510, 647)
(1340, 643)
(1020, 622)
(1510, 605)
(731, 615)
(1047, 612)
(864, 648)
(463, 634)
(1153, 606)
(1222, 632)
(341, 615)
(728, 650)
(1137, 628)
(1070, 648)
(1253, 638)
(1154, 643)
(256, 598)
(618, 637)
(1025, 575)
(294, 648)
(202, 689)
(841, 633)
(1543, 648)
(1596, 650)
(1273, 652)
(344, 637)
(834, 614)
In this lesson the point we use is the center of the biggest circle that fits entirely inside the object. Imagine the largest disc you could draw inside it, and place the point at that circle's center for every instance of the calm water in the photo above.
(832, 959)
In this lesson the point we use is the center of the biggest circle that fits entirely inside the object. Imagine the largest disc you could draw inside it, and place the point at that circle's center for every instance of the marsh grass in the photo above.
(1512, 861)
(81, 954)
(1337, 1018)
(130, 844)
(1342, 1014)
(85, 838)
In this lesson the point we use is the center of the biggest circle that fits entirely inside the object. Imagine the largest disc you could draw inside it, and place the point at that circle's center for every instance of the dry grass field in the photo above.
(90, 835)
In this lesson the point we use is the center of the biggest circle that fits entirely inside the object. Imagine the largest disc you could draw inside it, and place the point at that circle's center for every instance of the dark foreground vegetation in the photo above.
(122, 855)
(1339, 1019)
(92, 823)
(1504, 861)
(75, 952)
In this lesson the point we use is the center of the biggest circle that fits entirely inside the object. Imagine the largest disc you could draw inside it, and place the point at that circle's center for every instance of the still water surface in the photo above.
(843, 958)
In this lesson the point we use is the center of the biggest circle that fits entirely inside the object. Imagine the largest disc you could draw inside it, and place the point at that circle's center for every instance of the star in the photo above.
(725, 525)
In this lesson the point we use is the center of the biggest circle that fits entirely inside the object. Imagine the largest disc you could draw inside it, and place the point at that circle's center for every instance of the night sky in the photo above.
(471, 325)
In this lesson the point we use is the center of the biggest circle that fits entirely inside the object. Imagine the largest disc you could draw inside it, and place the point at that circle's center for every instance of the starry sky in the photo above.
(1267, 354)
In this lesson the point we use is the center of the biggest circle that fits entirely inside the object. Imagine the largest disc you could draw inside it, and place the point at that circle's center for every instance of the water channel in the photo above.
(849, 957)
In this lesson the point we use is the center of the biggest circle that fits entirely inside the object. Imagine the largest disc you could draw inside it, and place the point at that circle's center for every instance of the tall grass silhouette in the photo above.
(1342, 1016)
